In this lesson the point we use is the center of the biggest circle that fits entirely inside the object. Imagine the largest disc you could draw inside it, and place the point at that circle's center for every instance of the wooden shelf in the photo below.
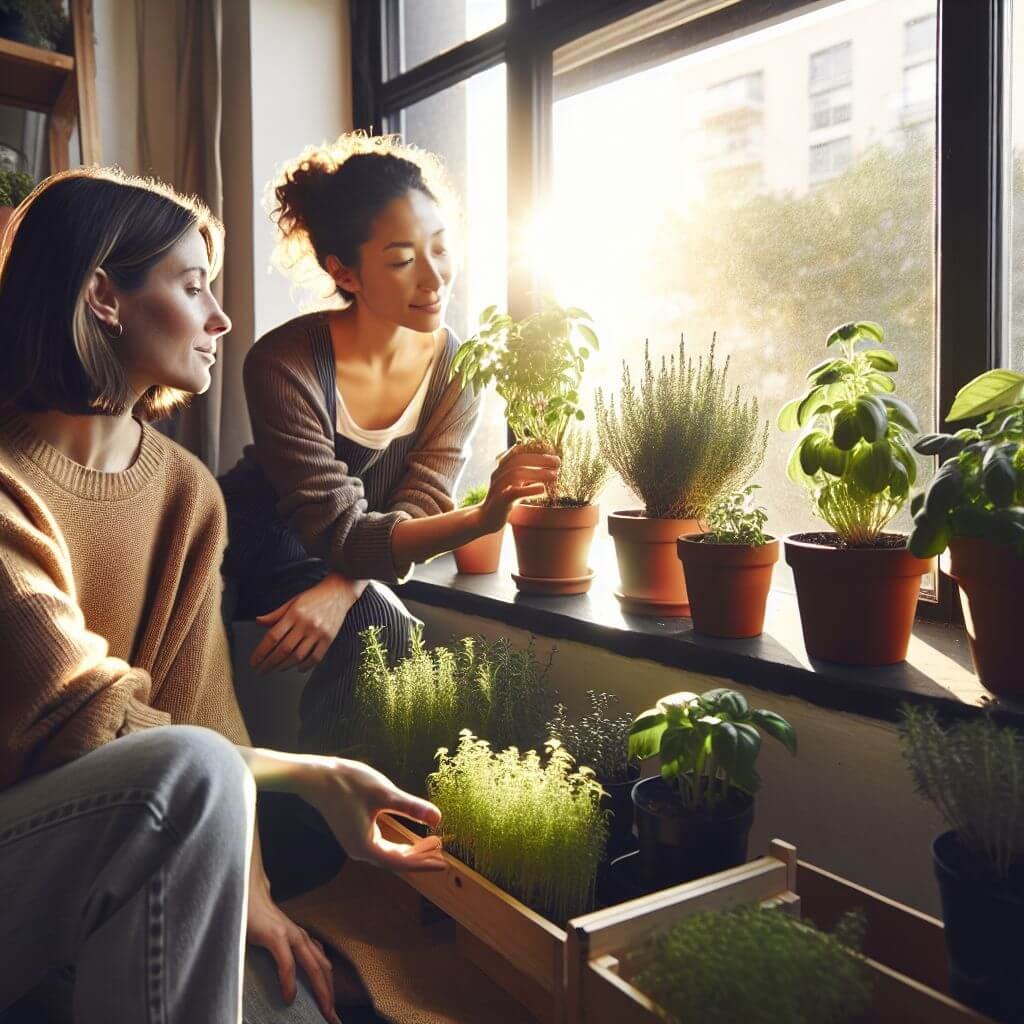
(31, 78)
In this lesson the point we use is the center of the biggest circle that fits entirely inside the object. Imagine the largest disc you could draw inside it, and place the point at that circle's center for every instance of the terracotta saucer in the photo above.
(554, 587)
(652, 609)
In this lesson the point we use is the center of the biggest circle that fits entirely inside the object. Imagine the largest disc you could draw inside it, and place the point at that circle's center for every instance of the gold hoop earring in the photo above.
(120, 331)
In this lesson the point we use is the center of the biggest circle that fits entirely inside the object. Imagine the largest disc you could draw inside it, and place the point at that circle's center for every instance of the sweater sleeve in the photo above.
(62, 694)
(293, 444)
(435, 464)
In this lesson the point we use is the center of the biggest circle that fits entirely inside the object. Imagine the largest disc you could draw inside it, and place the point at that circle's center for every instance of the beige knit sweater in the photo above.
(110, 595)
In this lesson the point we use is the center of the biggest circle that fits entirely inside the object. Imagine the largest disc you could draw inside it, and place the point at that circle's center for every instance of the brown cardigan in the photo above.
(294, 446)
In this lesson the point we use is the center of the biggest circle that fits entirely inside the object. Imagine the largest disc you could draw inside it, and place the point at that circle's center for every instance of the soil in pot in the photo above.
(984, 924)
(678, 845)
(553, 547)
(989, 576)
(728, 585)
(857, 605)
(651, 575)
(481, 555)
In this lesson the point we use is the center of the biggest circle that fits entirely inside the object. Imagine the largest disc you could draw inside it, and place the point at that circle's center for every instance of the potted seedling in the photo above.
(756, 965)
(534, 826)
(974, 505)
(600, 740)
(973, 773)
(694, 818)
(483, 554)
(729, 567)
(14, 187)
(678, 440)
(857, 586)
(537, 365)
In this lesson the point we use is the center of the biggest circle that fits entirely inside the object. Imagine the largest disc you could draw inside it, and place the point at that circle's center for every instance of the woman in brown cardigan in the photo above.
(359, 434)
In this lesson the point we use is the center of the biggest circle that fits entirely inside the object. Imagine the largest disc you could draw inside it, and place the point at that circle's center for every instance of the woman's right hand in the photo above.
(520, 474)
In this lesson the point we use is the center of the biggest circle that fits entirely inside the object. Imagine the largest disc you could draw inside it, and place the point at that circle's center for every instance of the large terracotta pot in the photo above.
(857, 605)
(553, 547)
(481, 555)
(991, 581)
(727, 584)
(651, 575)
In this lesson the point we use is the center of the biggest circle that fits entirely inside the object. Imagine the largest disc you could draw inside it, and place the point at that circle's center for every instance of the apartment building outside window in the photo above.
(831, 68)
(830, 159)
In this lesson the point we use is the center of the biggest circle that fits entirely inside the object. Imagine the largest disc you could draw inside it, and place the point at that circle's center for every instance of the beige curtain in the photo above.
(180, 72)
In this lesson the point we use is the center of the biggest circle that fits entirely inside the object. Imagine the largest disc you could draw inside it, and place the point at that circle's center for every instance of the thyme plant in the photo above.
(583, 473)
(681, 437)
(597, 739)
(973, 773)
(474, 496)
(535, 827)
(401, 715)
(759, 966)
(707, 743)
(734, 519)
(854, 455)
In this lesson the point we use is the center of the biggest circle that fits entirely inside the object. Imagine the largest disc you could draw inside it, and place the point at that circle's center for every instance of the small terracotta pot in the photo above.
(728, 584)
(991, 580)
(553, 547)
(651, 575)
(481, 555)
(857, 605)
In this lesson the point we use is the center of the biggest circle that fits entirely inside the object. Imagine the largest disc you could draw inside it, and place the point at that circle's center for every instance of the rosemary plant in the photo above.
(973, 773)
(759, 966)
(531, 826)
(734, 519)
(597, 739)
(683, 437)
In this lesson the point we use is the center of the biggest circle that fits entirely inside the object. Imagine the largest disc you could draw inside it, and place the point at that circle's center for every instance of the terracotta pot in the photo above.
(728, 585)
(991, 580)
(857, 605)
(651, 575)
(481, 555)
(553, 547)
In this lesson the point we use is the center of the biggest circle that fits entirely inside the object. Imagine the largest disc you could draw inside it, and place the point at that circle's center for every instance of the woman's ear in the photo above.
(102, 299)
(344, 277)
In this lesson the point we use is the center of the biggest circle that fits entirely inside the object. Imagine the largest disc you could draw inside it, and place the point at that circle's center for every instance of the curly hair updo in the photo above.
(325, 201)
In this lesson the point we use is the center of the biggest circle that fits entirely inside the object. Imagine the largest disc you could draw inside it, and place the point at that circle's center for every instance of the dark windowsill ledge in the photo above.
(937, 671)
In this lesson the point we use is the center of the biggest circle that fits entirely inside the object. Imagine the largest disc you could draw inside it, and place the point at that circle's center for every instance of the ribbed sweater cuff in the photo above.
(366, 553)
(138, 716)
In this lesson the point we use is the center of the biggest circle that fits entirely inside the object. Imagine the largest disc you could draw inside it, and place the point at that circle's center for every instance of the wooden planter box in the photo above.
(905, 949)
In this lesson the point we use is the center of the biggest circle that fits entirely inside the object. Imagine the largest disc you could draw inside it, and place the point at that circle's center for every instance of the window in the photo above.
(834, 106)
(829, 159)
(919, 36)
(919, 92)
(830, 68)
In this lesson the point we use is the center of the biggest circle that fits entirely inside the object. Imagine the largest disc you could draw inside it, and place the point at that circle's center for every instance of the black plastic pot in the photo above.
(984, 933)
(619, 801)
(677, 845)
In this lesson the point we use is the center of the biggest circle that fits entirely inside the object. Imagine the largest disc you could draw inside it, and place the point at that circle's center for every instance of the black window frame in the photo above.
(971, 261)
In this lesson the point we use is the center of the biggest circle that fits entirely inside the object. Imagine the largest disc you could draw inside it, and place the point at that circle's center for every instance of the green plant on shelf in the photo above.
(43, 22)
(757, 965)
(476, 495)
(979, 490)
(597, 739)
(854, 455)
(534, 826)
(583, 473)
(707, 743)
(14, 187)
(683, 437)
(973, 772)
(735, 519)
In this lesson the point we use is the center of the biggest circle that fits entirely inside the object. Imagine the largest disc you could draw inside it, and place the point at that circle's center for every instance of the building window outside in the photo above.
(919, 36)
(830, 159)
(427, 28)
(831, 68)
(919, 92)
(835, 106)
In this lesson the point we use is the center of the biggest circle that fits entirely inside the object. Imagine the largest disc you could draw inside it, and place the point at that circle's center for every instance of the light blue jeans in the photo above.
(123, 879)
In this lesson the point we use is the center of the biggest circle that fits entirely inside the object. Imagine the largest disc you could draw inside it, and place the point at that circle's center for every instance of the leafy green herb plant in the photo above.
(476, 495)
(979, 490)
(43, 21)
(854, 455)
(683, 436)
(735, 519)
(14, 187)
(973, 772)
(759, 966)
(531, 825)
(707, 743)
(598, 739)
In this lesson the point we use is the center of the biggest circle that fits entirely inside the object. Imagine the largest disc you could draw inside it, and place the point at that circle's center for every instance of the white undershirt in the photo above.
(406, 424)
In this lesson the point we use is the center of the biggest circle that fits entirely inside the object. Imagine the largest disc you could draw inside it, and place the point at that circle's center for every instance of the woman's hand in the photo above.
(520, 474)
(302, 629)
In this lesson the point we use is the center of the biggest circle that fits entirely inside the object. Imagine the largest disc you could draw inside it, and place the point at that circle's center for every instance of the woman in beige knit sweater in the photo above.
(127, 858)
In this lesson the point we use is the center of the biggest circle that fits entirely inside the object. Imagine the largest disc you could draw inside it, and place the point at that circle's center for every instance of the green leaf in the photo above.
(881, 359)
(900, 413)
(793, 468)
(809, 462)
(999, 478)
(788, 415)
(880, 383)
(729, 702)
(871, 466)
(776, 726)
(577, 314)
(846, 429)
(680, 749)
(487, 314)
(834, 461)
(645, 733)
(899, 482)
(872, 418)
(861, 330)
(944, 490)
(589, 335)
(809, 405)
(929, 535)
(995, 389)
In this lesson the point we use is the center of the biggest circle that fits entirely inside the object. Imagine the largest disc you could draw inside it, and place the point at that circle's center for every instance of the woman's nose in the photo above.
(219, 323)
(433, 279)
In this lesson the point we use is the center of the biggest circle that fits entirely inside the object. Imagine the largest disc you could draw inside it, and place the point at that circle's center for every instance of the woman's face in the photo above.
(405, 269)
(172, 324)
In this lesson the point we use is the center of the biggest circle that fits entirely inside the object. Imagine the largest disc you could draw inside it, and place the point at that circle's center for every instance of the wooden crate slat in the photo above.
(608, 999)
(898, 999)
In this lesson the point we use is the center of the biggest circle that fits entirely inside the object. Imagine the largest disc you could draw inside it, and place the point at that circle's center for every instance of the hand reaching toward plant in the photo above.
(303, 628)
(520, 474)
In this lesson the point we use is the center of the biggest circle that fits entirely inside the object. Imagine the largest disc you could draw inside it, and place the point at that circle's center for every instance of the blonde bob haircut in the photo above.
(55, 352)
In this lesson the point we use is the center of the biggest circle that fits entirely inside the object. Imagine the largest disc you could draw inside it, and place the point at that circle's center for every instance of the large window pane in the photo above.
(427, 28)
(704, 196)
(465, 125)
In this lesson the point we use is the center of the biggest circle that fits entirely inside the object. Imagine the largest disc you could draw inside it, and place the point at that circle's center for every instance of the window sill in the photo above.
(937, 671)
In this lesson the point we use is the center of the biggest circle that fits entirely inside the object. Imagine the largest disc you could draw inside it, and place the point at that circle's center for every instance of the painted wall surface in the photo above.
(117, 83)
